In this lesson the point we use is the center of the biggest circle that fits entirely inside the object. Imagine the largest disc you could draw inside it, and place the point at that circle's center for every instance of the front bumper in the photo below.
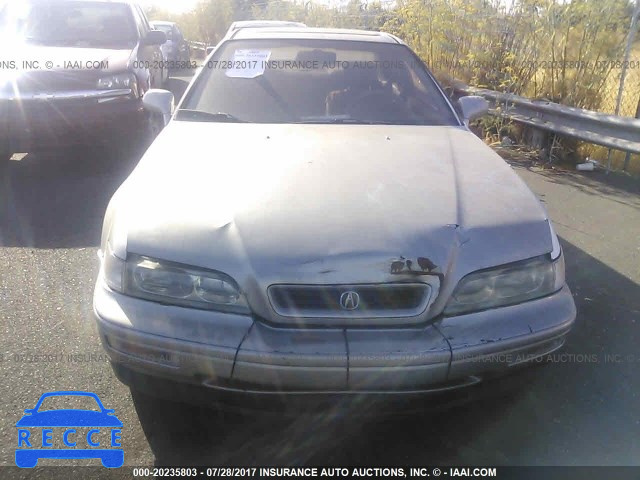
(59, 119)
(237, 354)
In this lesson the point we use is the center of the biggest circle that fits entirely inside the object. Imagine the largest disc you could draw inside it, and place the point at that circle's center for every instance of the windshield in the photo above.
(69, 402)
(61, 23)
(316, 81)
(163, 28)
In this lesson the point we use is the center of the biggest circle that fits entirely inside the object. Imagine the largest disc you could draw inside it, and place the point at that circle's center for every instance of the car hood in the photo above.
(325, 204)
(72, 57)
(48, 69)
(69, 418)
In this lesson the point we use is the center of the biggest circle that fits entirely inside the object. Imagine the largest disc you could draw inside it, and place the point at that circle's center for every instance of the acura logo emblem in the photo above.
(349, 300)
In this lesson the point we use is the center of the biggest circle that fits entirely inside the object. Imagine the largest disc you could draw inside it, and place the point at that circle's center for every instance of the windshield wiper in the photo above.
(201, 116)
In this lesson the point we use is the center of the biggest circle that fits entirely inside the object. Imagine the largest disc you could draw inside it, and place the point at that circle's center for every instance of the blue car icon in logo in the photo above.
(32, 447)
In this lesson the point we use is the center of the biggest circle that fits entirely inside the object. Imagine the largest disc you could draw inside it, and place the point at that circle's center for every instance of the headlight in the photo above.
(176, 284)
(114, 82)
(507, 285)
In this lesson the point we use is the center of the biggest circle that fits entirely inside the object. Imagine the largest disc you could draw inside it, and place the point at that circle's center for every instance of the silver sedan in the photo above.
(316, 218)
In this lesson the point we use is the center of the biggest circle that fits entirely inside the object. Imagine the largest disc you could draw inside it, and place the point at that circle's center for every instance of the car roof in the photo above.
(71, 393)
(127, 2)
(308, 33)
(264, 24)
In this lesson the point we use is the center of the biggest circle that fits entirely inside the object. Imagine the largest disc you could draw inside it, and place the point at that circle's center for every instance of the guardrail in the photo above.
(619, 133)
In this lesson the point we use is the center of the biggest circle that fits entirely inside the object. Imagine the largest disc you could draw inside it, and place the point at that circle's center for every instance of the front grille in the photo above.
(350, 301)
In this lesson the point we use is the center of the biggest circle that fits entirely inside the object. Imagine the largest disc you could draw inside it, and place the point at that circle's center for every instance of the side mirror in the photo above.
(473, 107)
(154, 37)
(160, 102)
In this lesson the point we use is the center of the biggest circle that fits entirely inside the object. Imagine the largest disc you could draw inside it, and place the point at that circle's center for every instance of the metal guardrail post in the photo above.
(627, 157)
(623, 74)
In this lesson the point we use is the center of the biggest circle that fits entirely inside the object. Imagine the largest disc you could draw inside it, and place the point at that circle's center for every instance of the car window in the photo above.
(164, 28)
(139, 23)
(143, 20)
(319, 81)
(70, 23)
(65, 402)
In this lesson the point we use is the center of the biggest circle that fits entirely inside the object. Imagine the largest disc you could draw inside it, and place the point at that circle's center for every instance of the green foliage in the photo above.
(210, 19)
(556, 49)
(564, 51)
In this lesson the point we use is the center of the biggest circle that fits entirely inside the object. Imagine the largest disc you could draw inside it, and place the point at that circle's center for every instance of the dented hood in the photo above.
(325, 203)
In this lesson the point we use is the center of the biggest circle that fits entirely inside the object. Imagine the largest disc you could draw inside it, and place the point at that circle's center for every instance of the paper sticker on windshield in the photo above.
(248, 63)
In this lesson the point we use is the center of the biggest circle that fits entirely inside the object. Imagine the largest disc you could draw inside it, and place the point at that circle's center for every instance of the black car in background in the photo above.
(176, 48)
(76, 73)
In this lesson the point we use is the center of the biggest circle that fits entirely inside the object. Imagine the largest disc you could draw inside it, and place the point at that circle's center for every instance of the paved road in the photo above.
(580, 410)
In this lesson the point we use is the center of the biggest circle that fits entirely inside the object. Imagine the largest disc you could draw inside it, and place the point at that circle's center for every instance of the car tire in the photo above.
(164, 77)
(107, 158)
(26, 459)
(154, 126)
(113, 459)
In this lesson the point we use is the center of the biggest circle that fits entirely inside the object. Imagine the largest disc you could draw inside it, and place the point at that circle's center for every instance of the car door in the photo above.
(148, 55)
(182, 48)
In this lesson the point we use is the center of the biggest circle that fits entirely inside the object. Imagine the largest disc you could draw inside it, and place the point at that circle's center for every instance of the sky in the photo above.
(174, 6)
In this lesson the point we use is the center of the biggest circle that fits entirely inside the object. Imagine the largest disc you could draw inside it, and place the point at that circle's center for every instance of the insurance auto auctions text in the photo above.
(377, 472)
